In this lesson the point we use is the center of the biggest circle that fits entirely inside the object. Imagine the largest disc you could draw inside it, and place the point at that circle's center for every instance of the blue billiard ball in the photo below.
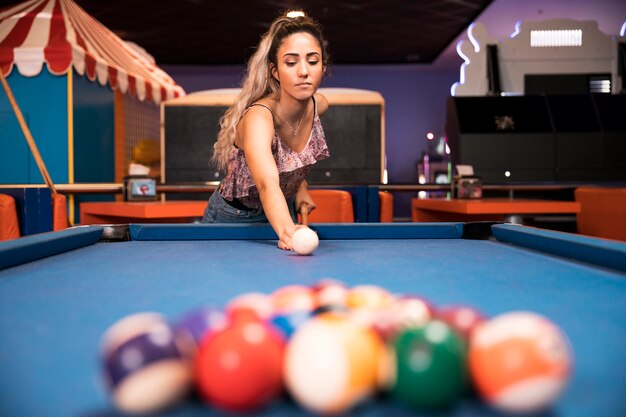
(287, 323)
(197, 324)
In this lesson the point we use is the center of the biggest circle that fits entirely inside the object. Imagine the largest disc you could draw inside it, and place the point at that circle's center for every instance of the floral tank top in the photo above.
(293, 167)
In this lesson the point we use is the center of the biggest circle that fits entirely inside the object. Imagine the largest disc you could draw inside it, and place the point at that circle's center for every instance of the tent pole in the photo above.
(70, 141)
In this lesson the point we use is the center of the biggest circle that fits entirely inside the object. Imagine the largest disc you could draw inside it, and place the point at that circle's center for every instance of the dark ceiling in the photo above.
(209, 32)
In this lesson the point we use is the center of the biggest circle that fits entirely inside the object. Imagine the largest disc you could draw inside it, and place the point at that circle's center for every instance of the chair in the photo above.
(59, 212)
(602, 212)
(385, 200)
(9, 223)
(333, 206)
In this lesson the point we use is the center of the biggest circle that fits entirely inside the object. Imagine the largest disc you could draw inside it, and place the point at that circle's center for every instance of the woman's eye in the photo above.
(313, 62)
(290, 64)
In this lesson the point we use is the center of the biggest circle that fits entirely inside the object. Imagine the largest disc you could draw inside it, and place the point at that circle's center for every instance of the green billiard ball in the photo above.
(430, 366)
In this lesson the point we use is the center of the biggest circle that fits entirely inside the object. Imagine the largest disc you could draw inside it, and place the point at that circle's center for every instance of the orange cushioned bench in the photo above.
(59, 212)
(333, 206)
(386, 206)
(602, 212)
(9, 224)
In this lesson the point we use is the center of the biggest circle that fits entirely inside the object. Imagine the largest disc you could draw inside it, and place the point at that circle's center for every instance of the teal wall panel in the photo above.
(94, 138)
(94, 143)
(43, 103)
(15, 159)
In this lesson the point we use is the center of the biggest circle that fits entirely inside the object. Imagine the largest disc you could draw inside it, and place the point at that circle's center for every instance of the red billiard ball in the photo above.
(404, 312)
(240, 367)
(144, 366)
(463, 319)
(519, 361)
(330, 293)
(257, 303)
(293, 298)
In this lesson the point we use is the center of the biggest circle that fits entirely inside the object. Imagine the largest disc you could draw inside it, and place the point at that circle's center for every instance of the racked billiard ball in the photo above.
(519, 361)
(239, 368)
(430, 366)
(144, 366)
(464, 319)
(332, 363)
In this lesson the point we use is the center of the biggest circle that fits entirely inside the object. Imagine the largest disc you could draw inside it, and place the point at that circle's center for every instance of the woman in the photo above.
(272, 134)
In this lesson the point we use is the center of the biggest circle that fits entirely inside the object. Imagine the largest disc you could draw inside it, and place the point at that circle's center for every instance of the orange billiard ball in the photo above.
(519, 361)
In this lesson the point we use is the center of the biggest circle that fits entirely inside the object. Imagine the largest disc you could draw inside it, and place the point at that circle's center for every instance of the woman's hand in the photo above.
(303, 196)
(284, 241)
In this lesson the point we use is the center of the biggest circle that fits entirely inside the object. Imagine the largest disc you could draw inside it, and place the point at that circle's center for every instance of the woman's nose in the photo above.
(303, 71)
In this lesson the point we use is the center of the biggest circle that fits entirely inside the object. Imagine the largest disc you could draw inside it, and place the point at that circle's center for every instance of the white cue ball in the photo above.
(304, 241)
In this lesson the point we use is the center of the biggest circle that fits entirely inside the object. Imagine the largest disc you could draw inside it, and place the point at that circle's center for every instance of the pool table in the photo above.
(60, 291)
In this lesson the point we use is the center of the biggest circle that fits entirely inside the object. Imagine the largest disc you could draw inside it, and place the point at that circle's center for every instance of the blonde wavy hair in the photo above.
(258, 81)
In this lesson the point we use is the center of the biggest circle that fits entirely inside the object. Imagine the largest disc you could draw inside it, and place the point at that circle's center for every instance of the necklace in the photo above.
(294, 132)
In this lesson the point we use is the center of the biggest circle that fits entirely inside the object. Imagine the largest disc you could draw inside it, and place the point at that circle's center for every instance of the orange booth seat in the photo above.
(602, 212)
(333, 206)
(59, 212)
(11, 212)
(9, 223)
(386, 206)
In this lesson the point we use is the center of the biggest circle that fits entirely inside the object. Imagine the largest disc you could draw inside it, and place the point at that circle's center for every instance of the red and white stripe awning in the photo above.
(62, 35)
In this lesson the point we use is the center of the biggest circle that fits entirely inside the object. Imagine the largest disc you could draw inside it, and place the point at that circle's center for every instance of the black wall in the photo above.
(578, 135)
(574, 137)
(190, 132)
(502, 134)
(612, 115)
(353, 133)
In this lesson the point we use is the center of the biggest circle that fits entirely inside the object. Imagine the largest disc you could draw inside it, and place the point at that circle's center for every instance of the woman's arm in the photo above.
(256, 131)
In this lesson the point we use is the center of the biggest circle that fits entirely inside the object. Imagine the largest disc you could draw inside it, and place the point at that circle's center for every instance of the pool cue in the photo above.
(29, 138)
(304, 213)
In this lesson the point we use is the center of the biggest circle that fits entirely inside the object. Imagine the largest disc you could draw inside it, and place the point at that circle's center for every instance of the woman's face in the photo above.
(299, 66)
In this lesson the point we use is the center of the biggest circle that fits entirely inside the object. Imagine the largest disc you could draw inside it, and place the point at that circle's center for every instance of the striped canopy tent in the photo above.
(62, 35)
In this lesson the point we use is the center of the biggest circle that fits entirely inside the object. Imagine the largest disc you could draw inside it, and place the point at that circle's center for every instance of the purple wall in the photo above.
(415, 100)
(414, 105)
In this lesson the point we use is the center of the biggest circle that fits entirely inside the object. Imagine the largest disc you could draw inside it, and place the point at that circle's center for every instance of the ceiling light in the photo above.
(295, 13)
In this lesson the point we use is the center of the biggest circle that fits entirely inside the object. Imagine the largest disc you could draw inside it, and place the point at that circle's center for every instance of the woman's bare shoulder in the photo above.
(265, 102)
(322, 103)
(258, 121)
(259, 111)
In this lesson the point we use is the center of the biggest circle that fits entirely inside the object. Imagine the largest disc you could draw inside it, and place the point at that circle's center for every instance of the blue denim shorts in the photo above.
(219, 211)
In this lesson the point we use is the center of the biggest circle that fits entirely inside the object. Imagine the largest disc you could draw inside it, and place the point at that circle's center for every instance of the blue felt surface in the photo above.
(54, 311)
